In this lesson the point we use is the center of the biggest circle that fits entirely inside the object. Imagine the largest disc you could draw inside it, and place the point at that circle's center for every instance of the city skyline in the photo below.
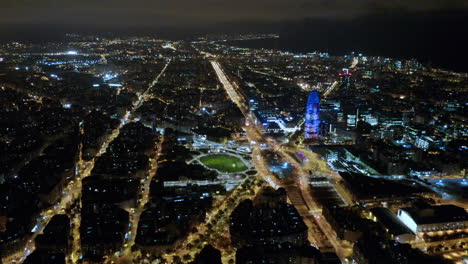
(233, 132)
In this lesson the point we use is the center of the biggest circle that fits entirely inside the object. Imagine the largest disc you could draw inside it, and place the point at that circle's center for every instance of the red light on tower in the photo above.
(345, 73)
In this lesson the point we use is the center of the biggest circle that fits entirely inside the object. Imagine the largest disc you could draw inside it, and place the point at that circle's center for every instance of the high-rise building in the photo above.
(312, 117)
(345, 79)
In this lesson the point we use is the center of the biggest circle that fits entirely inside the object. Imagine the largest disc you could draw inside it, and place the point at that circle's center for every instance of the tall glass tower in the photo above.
(312, 116)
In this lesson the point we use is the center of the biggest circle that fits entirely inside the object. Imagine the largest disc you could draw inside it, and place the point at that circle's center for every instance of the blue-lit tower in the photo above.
(312, 117)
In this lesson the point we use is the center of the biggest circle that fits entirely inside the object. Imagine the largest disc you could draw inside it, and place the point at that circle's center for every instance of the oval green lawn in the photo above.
(223, 163)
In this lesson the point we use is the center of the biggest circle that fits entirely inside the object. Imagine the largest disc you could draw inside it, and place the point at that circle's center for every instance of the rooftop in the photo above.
(390, 221)
(437, 214)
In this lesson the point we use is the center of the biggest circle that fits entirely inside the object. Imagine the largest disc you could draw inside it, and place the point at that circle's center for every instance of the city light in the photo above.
(136, 149)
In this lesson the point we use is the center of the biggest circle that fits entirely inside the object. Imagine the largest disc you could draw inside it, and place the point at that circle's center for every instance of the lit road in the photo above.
(103, 58)
(354, 63)
(72, 190)
(252, 132)
(421, 244)
(320, 167)
(302, 182)
(125, 253)
(270, 74)
(302, 179)
(312, 216)
(216, 224)
(330, 89)
(231, 91)
(75, 219)
(217, 218)
(146, 94)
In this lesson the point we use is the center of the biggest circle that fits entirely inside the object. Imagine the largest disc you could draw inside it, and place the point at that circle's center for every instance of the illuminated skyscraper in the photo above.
(345, 79)
(312, 117)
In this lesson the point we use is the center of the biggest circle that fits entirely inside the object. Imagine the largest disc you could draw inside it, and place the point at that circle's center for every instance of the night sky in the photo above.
(430, 30)
(156, 13)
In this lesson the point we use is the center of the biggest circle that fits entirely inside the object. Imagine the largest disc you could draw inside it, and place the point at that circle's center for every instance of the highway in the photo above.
(231, 91)
(342, 250)
(312, 216)
(314, 208)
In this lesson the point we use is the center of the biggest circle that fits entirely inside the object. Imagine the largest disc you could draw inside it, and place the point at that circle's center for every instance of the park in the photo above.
(224, 163)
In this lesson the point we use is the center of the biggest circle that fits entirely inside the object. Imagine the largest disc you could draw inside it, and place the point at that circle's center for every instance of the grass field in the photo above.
(224, 163)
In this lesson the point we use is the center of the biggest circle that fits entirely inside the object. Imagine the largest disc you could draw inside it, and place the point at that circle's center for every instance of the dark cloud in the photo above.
(153, 13)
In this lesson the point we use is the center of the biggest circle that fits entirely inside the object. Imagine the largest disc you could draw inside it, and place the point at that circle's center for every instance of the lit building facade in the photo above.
(312, 117)
(345, 79)
(434, 218)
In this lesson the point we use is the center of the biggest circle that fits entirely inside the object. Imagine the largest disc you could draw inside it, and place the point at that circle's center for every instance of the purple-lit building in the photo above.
(312, 117)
